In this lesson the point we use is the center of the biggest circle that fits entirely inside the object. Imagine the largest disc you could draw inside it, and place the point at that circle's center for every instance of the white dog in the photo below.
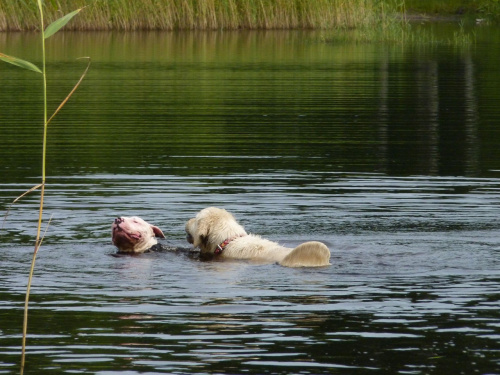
(215, 231)
(134, 235)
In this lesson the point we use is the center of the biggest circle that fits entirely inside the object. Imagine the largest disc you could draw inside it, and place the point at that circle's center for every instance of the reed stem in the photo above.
(197, 14)
(42, 194)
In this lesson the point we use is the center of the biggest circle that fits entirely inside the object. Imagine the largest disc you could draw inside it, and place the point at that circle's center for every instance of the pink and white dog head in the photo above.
(134, 235)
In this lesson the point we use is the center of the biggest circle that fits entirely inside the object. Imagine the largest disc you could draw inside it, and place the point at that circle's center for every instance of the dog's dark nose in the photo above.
(119, 220)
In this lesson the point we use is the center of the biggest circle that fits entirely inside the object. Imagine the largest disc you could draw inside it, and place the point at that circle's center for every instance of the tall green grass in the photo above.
(489, 8)
(393, 26)
(403, 33)
(196, 14)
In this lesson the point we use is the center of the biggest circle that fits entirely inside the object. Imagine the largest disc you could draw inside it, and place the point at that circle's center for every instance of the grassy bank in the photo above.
(479, 8)
(199, 14)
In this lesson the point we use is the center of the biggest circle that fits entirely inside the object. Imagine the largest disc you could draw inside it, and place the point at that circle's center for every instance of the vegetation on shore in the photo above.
(233, 14)
(477, 8)
(200, 14)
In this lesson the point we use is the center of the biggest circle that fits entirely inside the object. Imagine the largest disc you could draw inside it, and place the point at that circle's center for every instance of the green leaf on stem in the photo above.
(55, 26)
(19, 62)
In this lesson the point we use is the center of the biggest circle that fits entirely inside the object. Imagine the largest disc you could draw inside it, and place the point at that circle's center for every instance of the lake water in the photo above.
(387, 153)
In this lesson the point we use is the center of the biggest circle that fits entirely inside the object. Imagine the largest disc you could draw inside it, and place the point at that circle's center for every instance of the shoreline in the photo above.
(170, 15)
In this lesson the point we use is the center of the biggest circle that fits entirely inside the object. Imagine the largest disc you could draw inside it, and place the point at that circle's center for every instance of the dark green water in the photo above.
(388, 153)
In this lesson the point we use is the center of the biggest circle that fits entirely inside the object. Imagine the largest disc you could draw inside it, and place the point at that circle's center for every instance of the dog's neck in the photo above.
(220, 248)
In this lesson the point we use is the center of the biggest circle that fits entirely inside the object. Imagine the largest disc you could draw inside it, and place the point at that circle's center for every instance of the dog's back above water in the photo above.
(215, 231)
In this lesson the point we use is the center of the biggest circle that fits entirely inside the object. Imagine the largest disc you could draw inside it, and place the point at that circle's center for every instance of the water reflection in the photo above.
(387, 154)
(215, 102)
(436, 130)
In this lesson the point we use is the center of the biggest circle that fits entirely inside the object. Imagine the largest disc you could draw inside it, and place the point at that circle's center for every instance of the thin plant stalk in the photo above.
(39, 238)
(45, 33)
(42, 194)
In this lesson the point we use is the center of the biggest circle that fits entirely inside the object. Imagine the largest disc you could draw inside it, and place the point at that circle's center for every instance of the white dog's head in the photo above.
(211, 227)
(134, 235)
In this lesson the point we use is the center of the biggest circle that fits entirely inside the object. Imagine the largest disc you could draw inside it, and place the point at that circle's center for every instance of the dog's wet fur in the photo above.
(216, 232)
(190, 252)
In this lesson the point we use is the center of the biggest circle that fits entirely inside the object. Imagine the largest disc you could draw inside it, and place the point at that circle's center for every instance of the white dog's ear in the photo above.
(157, 231)
(203, 231)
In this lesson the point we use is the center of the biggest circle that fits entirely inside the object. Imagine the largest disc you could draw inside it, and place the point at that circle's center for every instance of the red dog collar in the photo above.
(223, 245)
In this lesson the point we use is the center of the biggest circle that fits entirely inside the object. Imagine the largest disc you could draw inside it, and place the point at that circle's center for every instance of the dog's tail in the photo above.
(308, 254)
